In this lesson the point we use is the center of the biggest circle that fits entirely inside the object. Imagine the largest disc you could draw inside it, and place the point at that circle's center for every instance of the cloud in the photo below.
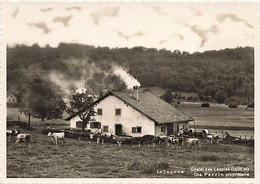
(46, 9)
(63, 20)
(203, 33)
(180, 36)
(233, 17)
(15, 13)
(106, 12)
(158, 10)
(40, 25)
(74, 8)
(196, 12)
(163, 41)
(127, 37)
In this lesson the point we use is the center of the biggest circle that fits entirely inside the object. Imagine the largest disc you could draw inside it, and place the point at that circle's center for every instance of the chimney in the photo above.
(135, 90)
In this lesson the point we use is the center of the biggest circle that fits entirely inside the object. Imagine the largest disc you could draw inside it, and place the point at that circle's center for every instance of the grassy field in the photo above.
(13, 113)
(221, 117)
(43, 159)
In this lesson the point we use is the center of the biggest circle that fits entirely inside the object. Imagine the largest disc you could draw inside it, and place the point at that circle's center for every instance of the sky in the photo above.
(188, 27)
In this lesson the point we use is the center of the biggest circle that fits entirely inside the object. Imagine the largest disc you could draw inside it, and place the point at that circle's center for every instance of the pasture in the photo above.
(42, 159)
(237, 121)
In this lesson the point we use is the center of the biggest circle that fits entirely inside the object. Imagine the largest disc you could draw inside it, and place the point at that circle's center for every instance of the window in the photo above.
(163, 129)
(95, 125)
(78, 124)
(118, 112)
(105, 128)
(139, 129)
(99, 111)
(136, 129)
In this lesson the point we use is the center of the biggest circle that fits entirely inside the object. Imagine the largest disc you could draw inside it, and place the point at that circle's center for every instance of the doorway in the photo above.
(118, 129)
(169, 129)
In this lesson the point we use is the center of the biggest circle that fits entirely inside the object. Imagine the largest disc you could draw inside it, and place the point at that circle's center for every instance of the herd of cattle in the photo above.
(190, 138)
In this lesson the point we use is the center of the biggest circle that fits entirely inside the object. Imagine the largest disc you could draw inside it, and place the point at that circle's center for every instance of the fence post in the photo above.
(29, 120)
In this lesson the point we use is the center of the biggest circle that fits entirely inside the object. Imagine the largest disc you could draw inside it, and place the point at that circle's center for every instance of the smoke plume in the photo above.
(129, 80)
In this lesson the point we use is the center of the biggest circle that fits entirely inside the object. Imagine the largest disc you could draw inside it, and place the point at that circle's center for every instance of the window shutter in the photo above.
(99, 125)
(91, 124)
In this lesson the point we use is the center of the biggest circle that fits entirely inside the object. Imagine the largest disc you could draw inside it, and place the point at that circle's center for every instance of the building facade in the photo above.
(11, 99)
(120, 113)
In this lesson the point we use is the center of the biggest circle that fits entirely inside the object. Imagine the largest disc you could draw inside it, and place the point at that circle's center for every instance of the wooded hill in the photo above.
(218, 75)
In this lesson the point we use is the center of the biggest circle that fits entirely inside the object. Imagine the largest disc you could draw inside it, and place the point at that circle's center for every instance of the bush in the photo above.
(232, 105)
(251, 105)
(220, 96)
(205, 105)
(21, 124)
(189, 98)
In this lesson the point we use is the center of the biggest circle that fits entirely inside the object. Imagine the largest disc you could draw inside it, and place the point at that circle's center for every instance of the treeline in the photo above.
(216, 75)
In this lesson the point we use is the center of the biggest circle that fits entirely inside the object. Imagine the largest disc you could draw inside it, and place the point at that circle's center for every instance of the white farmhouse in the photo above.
(11, 98)
(121, 113)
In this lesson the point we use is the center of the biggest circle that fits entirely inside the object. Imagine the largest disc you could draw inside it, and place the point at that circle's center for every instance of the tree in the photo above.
(42, 99)
(167, 97)
(220, 96)
(81, 103)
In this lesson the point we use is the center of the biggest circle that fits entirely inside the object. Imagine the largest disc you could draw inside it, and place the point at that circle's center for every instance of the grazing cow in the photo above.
(180, 133)
(210, 137)
(205, 132)
(8, 134)
(191, 131)
(176, 142)
(96, 137)
(123, 139)
(150, 139)
(57, 135)
(193, 143)
(12, 132)
(163, 139)
(23, 138)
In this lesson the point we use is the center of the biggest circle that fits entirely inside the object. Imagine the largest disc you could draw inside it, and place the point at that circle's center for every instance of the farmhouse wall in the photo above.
(129, 118)
(158, 130)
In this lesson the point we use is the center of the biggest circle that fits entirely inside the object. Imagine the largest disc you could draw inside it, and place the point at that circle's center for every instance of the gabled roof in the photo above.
(149, 105)
(11, 93)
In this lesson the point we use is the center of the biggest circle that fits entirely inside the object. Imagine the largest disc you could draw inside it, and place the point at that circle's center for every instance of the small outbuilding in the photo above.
(11, 98)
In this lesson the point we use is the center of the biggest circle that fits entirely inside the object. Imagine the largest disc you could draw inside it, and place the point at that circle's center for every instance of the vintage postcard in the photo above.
(126, 91)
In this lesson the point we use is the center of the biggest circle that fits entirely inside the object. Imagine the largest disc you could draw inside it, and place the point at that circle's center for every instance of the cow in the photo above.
(180, 132)
(150, 139)
(10, 133)
(23, 138)
(123, 139)
(205, 132)
(57, 135)
(210, 137)
(176, 142)
(193, 143)
(191, 131)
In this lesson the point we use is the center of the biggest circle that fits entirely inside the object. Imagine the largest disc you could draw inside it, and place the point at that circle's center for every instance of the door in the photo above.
(169, 129)
(118, 129)
(178, 128)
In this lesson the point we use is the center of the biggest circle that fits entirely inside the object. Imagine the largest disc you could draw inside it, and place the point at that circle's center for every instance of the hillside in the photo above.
(216, 74)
